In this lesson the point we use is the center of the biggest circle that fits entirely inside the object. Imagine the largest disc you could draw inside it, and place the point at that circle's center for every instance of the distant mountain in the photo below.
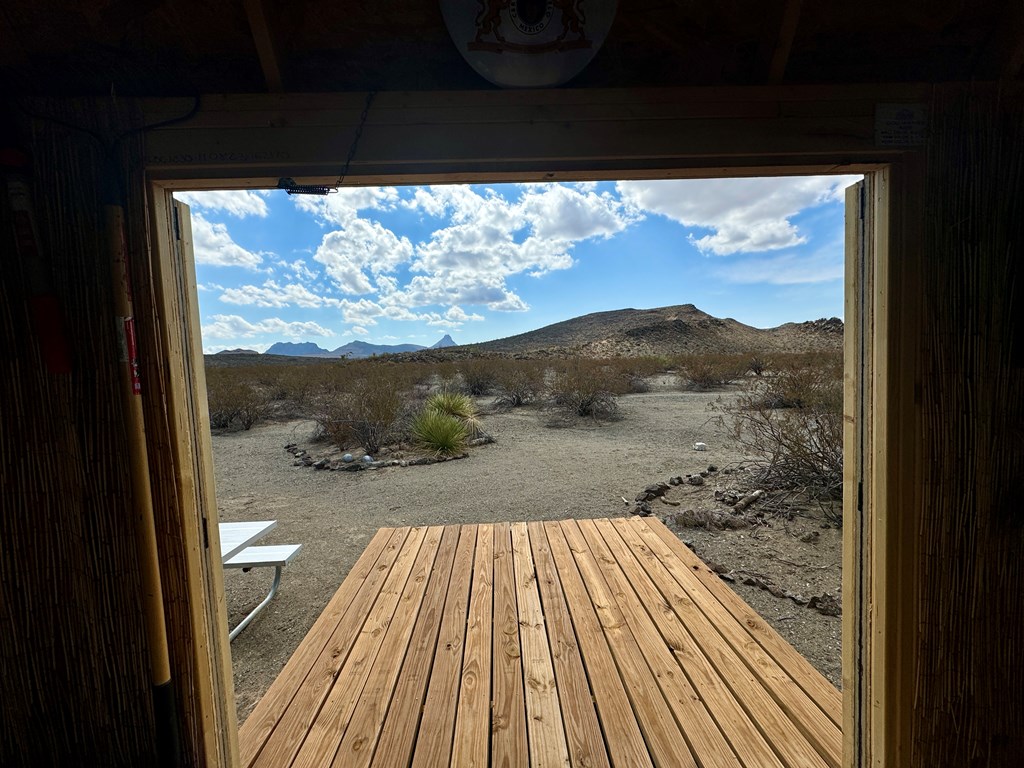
(238, 351)
(446, 341)
(360, 349)
(681, 329)
(300, 349)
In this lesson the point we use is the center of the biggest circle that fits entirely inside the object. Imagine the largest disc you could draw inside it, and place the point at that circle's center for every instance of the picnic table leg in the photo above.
(270, 596)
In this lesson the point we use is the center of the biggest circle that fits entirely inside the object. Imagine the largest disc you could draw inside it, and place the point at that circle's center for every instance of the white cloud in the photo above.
(212, 244)
(490, 238)
(453, 318)
(344, 205)
(361, 245)
(820, 266)
(273, 295)
(363, 311)
(565, 213)
(297, 270)
(237, 202)
(451, 289)
(358, 330)
(236, 327)
(746, 215)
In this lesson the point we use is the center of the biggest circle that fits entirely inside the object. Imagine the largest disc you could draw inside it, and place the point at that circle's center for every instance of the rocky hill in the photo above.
(681, 329)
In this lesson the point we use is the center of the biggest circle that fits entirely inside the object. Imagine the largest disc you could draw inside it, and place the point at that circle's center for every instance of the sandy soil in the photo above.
(531, 472)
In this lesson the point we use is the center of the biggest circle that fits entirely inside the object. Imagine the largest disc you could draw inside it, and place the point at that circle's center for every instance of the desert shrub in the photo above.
(441, 433)
(459, 406)
(711, 370)
(584, 388)
(792, 423)
(758, 365)
(368, 415)
(478, 376)
(518, 384)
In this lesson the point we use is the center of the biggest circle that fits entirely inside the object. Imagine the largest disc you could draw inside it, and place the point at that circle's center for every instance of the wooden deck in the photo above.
(582, 643)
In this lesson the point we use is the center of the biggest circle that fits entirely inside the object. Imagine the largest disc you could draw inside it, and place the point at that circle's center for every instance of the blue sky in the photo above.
(395, 265)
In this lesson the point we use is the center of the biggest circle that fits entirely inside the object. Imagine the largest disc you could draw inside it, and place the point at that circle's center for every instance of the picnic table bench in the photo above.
(236, 553)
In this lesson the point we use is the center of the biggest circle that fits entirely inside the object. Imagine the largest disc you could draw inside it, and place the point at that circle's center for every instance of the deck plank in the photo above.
(590, 643)
(664, 739)
(623, 738)
(724, 696)
(287, 736)
(543, 712)
(582, 729)
(786, 739)
(405, 644)
(437, 724)
(329, 727)
(810, 719)
(698, 726)
(472, 742)
(508, 718)
(824, 694)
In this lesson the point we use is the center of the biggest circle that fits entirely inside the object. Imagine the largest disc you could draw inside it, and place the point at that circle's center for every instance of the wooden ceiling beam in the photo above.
(266, 44)
(784, 42)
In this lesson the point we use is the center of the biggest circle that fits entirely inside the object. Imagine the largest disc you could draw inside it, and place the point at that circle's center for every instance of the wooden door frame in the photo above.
(239, 142)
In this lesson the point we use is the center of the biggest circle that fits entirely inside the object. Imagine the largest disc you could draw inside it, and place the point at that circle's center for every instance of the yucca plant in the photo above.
(459, 406)
(441, 433)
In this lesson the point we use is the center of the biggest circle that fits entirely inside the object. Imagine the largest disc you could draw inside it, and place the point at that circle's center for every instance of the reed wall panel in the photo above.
(969, 706)
(74, 687)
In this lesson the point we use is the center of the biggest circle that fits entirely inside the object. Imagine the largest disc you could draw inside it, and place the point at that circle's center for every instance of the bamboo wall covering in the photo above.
(969, 705)
(74, 687)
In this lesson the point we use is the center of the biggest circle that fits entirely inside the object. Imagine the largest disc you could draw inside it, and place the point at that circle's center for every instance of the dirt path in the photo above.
(531, 472)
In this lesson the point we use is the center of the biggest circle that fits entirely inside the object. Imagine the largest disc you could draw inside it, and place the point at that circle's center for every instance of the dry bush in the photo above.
(583, 388)
(231, 399)
(636, 372)
(792, 422)
(709, 371)
(369, 414)
(518, 383)
(479, 376)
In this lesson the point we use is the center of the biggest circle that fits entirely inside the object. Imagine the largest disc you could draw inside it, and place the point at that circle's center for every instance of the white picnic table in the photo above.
(234, 537)
(235, 552)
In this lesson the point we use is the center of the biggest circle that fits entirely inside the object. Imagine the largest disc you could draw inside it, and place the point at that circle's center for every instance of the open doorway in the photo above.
(534, 282)
(748, 151)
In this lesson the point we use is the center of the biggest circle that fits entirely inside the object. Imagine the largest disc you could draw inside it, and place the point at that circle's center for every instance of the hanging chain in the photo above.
(355, 141)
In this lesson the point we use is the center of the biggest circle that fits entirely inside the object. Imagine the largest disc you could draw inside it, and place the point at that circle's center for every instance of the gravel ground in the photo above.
(531, 472)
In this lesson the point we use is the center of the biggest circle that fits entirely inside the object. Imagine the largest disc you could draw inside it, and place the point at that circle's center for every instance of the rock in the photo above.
(403, 463)
(657, 489)
(322, 464)
(688, 543)
(826, 605)
(776, 591)
(347, 458)
(669, 502)
(289, 446)
(700, 446)
(307, 461)
(797, 598)
(643, 509)
(694, 480)
(367, 459)
(810, 537)
(712, 468)
(727, 577)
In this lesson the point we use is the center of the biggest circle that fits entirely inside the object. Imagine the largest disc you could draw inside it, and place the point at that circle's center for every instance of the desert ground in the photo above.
(531, 472)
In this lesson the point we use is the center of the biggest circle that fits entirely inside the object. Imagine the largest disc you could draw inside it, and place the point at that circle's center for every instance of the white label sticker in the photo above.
(900, 125)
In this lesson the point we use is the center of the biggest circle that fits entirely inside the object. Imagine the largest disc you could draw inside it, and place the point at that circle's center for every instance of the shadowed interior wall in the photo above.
(970, 667)
(74, 686)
